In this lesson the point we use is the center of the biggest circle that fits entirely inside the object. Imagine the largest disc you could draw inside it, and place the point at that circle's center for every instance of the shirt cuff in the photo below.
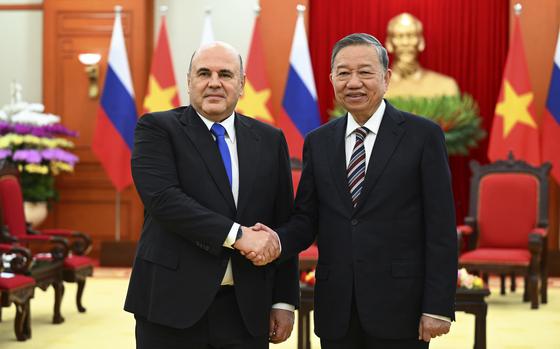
(230, 239)
(283, 306)
(439, 317)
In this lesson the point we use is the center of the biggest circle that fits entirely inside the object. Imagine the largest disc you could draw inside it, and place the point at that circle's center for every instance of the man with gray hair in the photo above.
(375, 193)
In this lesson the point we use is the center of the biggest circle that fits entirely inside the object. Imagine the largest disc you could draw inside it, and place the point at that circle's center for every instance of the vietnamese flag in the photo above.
(514, 128)
(161, 93)
(256, 100)
(551, 118)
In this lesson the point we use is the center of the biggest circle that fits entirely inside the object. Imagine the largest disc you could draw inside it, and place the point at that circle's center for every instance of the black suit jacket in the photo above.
(396, 252)
(189, 210)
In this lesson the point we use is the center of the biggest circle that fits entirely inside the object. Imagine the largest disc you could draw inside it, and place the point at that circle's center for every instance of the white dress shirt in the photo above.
(372, 124)
(230, 137)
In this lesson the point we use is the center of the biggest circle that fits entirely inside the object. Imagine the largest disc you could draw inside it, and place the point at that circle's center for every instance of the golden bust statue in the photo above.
(405, 40)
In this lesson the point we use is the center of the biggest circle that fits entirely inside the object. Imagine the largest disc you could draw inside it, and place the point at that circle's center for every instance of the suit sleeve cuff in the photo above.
(439, 317)
(284, 306)
(230, 239)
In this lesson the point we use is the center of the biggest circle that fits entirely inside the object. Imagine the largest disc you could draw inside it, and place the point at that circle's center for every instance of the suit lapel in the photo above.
(198, 133)
(248, 152)
(336, 153)
(388, 137)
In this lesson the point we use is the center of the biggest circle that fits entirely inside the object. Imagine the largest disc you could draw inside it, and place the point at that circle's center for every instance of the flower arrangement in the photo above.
(35, 142)
(308, 277)
(457, 116)
(468, 281)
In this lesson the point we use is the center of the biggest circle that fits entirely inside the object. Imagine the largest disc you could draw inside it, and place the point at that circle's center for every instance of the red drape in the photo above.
(465, 39)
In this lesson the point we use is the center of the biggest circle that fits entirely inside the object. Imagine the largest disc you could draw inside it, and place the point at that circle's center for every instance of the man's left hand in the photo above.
(281, 325)
(431, 328)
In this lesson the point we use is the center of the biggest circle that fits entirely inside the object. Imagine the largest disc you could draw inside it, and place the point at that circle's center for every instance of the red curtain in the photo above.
(465, 39)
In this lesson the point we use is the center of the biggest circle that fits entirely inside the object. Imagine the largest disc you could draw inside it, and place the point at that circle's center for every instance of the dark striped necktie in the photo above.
(357, 166)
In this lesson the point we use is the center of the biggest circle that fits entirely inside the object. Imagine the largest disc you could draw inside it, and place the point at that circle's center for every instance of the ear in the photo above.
(243, 79)
(387, 78)
(421, 44)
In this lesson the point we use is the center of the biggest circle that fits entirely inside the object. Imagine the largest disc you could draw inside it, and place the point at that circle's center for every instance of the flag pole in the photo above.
(118, 10)
(117, 216)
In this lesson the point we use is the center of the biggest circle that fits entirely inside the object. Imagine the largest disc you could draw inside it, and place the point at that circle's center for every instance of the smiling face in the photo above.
(215, 81)
(359, 80)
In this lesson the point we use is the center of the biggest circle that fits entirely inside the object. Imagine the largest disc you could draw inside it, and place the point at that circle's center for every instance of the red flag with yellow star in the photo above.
(161, 93)
(514, 127)
(256, 100)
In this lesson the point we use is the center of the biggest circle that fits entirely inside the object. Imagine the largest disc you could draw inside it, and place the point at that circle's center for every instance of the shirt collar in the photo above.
(228, 123)
(372, 124)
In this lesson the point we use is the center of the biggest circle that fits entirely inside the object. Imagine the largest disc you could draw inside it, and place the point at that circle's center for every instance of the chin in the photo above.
(213, 110)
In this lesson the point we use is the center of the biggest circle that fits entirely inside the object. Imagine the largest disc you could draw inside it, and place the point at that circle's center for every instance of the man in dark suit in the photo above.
(375, 192)
(204, 173)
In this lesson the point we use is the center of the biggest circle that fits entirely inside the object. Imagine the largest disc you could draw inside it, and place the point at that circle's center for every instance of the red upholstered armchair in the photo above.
(16, 287)
(76, 265)
(507, 224)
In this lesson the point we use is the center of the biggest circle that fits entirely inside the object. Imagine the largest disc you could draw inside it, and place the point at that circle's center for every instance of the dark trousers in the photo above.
(221, 327)
(357, 338)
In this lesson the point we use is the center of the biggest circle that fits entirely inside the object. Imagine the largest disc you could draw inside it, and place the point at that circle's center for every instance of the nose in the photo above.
(214, 80)
(354, 81)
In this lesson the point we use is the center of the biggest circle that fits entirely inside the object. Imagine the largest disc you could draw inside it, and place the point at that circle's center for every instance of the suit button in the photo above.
(354, 222)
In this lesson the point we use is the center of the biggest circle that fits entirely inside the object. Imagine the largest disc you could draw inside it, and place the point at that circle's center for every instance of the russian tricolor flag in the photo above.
(300, 94)
(116, 116)
(551, 119)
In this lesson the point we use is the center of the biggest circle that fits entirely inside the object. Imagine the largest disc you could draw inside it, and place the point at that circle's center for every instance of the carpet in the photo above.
(510, 323)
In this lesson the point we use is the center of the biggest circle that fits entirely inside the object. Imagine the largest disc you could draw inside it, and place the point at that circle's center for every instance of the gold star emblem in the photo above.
(159, 99)
(514, 109)
(253, 103)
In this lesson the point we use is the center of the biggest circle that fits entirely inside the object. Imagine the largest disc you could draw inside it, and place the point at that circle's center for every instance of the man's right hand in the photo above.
(262, 245)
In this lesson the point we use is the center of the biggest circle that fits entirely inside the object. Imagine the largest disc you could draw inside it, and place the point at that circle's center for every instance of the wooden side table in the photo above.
(472, 302)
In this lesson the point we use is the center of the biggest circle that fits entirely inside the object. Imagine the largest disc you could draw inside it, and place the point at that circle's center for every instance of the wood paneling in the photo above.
(21, 7)
(87, 199)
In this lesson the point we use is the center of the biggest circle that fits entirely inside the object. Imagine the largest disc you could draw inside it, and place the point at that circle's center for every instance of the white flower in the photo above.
(27, 113)
(34, 118)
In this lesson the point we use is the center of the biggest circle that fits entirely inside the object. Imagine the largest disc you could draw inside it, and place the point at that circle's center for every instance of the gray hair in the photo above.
(361, 39)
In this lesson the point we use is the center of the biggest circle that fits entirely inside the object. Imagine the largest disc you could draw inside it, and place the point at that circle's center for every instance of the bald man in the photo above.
(204, 173)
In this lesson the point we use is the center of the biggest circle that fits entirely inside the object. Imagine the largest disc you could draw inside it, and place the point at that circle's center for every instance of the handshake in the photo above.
(259, 244)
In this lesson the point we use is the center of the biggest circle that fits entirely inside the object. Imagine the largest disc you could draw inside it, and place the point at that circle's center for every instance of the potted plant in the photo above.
(37, 144)
(457, 116)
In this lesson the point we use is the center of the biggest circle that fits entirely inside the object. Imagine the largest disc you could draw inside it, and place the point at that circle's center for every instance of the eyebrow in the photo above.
(221, 71)
(345, 66)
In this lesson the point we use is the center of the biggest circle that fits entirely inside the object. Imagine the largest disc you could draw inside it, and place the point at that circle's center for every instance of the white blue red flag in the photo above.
(116, 115)
(300, 95)
(551, 119)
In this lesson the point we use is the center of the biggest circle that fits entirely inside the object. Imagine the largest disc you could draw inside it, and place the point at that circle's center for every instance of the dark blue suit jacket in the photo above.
(396, 252)
(189, 210)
